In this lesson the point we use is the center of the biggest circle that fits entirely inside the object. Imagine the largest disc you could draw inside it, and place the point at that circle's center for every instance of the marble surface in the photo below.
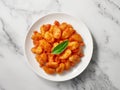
(103, 20)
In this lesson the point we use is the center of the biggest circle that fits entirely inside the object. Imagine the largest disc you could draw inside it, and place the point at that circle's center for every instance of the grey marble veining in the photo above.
(9, 39)
(104, 10)
(103, 20)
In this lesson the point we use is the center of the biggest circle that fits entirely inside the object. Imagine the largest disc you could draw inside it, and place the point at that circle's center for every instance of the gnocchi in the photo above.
(48, 38)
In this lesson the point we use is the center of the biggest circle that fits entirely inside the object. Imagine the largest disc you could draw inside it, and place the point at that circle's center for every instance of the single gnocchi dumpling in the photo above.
(45, 45)
(60, 68)
(67, 33)
(65, 54)
(49, 37)
(42, 59)
(48, 70)
(56, 32)
(76, 37)
(73, 45)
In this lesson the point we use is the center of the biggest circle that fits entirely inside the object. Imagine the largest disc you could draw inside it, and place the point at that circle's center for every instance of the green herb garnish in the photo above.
(60, 47)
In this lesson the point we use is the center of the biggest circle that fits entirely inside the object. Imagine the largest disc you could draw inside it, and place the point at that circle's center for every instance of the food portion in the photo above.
(57, 47)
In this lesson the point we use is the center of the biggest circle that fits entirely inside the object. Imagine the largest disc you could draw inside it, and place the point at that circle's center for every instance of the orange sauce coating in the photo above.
(49, 36)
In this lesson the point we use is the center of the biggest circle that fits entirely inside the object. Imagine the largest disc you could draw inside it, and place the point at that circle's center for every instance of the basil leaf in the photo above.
(60, 47)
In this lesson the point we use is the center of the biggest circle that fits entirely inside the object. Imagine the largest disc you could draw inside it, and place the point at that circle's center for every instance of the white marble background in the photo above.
(103, 20)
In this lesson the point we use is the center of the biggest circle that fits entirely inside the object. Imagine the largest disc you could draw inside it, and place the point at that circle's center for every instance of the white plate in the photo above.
(79, 27)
